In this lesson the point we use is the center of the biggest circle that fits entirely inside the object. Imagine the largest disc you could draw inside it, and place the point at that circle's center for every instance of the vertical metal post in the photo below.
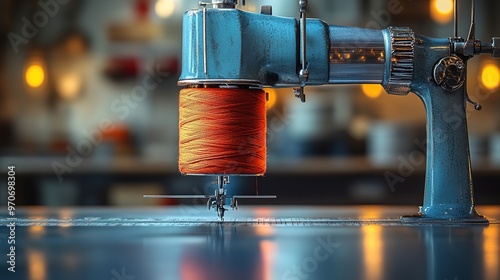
(472, 30)
(455, 20)
(205, 41)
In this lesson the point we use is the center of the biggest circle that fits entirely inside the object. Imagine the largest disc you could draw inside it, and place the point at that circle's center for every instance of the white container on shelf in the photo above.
(478, 146)
(312, 120)
(387, 141)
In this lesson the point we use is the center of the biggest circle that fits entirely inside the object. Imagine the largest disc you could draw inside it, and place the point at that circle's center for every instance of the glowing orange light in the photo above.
(37, 265)
(164, 8)
(370, 212)
(66, 215)
(263, 212)
(444, 6)
(372, 91)
(272, 98)
(491, 246)
(36, 231)
(69, 85)
(490, 76)
(267, 249)
(35, 75)
(265, 230)
(442, 10)
(373, 251)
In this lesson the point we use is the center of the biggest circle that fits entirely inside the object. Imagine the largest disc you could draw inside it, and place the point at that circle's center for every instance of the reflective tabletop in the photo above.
(364, 242)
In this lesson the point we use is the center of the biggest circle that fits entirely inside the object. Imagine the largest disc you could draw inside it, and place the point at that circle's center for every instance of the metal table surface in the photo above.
(364, 242)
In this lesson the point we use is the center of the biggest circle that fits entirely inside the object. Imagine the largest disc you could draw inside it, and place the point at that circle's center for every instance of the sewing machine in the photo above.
(226, 46)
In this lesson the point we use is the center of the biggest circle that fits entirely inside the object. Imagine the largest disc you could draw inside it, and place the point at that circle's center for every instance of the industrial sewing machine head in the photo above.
(224, 47)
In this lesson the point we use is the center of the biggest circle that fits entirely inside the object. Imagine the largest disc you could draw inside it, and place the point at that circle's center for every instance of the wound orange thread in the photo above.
(222, 131)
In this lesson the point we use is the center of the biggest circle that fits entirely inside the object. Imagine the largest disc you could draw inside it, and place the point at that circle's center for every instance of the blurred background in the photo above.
(89, 109)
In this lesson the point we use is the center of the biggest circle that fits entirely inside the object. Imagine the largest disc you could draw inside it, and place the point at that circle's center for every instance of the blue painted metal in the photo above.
(448, 186)
(264, 50)
(252, 47)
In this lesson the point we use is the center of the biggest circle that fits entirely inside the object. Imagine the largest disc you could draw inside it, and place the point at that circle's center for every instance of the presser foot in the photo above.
(218, 200)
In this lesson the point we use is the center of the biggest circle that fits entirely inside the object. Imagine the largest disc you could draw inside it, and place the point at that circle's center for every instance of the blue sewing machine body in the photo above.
(227, 46)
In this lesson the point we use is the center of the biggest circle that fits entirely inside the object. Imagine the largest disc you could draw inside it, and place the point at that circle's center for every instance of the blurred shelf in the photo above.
(276, 166)
(332, 166)
(359, 165)
(123, 165)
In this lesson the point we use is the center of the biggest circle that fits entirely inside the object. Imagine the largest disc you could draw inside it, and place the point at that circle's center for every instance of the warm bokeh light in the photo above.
(444, 6)
(265, 230)
(373, 251)
(359, 127)
(75, 45)
(491, 247)
(490, 76)
(165, 8)
(69, 85)
(36, 231)
(442, 10)
(35, 75)
(372, 91)
(66, 215)
(37, 265)
(272, 98)
(268, 251)
(370, 212)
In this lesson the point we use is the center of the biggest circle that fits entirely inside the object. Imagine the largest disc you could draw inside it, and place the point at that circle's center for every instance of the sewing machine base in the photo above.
(420, 218)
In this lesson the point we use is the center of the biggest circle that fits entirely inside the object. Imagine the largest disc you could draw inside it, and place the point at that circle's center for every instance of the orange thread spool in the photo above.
(222, 131)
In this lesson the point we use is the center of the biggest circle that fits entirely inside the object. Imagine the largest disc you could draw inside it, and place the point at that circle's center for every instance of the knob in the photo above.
(449, 73)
